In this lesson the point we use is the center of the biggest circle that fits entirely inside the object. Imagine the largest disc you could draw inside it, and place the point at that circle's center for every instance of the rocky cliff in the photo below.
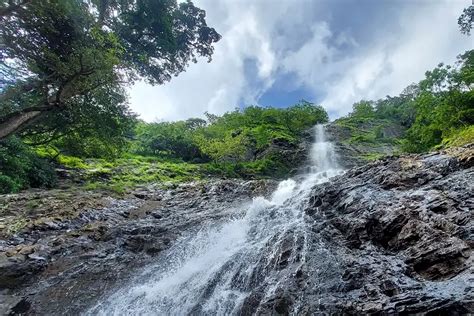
(400, 233)
(359, 142)
(390, 237)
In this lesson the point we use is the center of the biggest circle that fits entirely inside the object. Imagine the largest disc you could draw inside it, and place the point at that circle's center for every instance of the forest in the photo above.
(63, 102)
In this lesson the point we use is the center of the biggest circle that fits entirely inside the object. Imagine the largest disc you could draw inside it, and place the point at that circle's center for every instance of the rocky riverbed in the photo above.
(71, 247)
(393, 237)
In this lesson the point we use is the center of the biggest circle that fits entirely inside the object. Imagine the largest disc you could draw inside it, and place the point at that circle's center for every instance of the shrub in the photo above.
(21, 168)
(8, 184)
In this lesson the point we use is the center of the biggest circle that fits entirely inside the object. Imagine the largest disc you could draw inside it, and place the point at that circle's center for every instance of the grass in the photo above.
(121, 174)
(460, 137)
(367, 131)
(372, 156)
(369, 135)
(17, 225)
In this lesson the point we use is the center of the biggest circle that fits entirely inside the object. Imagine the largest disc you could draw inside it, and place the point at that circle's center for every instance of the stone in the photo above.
(390, 237)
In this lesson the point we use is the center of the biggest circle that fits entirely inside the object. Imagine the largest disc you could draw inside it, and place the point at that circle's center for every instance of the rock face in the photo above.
(357, 152)
(400, 235)
(391, 237)
(61, 264)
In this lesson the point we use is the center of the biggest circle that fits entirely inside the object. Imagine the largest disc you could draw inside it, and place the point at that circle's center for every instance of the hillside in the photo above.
(397, 228)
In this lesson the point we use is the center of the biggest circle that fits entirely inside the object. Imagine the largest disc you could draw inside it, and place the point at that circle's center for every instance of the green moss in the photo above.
(366, 131)
(17, 225)
(372, 156)
(31, 205)
(71, 162)
(124, 173)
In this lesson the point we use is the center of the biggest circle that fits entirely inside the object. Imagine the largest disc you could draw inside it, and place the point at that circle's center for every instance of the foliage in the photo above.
(444, 104)
(240, 138)
(460, 137)
(466, 20)
(431, 113)
(363, 109)
(255, 129)
(21, 168)
(65, 63)
(132, 170)
(172, 139)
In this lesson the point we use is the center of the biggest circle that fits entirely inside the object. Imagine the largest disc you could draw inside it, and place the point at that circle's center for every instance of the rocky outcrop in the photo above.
(400, 236)
(74, 246)
(393, 237)
(356, 142)
(291, 155)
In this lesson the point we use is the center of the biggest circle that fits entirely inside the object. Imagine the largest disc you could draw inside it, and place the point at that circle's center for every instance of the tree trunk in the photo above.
(17, 122)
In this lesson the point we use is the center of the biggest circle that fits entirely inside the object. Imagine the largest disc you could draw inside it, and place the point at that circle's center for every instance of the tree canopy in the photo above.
(241, 137)
(466, 19)
(64, 63)
(433, 112)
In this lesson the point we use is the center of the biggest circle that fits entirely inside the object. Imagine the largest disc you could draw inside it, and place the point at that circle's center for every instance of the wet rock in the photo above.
(353, 154)
(78, 245)
(390, 237)
(406, 226)
(13, 305)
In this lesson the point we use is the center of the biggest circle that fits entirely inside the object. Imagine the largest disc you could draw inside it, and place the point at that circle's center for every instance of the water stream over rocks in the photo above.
(392, 237)
(224, 268)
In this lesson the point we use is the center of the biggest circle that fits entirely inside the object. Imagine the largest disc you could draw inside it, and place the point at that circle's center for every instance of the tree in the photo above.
(58, 54)
(230, 148)
(173, 139)
(466, 20)
(303, 114)
(363, 109)
(443, 105)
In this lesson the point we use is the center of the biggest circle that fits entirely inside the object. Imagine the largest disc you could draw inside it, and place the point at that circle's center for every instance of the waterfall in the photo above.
(323, 156)
(220, 269)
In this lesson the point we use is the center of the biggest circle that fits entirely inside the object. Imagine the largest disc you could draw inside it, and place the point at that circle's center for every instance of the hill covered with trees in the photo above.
(434, 113)
(64, 107)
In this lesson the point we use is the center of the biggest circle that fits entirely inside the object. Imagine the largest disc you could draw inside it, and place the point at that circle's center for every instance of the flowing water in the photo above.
(220, 269)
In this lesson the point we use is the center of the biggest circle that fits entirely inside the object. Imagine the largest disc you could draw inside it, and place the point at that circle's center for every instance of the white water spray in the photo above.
(213, 271)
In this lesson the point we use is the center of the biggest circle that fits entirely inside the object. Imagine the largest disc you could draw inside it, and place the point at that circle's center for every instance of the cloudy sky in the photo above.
(330, 52)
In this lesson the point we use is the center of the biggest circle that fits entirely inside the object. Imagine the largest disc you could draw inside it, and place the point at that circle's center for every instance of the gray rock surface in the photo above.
(62, 265)
(357, 153)
(391, 237)
(398, 235)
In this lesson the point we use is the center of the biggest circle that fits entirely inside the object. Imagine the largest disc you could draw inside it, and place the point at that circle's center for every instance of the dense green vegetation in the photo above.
(66, 64)
(64, 68)
(235, 136)
(239, 143)
(21, 168)
(246, 143)
(249, 143)
(436, 112)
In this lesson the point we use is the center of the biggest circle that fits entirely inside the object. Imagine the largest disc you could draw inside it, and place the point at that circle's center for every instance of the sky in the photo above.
(329, 52)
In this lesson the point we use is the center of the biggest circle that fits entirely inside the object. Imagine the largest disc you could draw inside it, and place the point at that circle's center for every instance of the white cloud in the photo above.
(427, 35)
(217, 86)
(294, 37)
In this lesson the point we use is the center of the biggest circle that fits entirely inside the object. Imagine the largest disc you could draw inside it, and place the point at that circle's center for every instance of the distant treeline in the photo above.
(437, 111)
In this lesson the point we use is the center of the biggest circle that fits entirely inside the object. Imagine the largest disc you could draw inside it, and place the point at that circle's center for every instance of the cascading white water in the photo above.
(323, 155)
(214, 270)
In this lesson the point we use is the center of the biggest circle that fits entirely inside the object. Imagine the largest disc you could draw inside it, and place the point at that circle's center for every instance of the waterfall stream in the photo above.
(219, 269)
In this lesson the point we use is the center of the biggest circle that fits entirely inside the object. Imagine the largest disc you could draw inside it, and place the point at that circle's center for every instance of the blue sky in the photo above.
(333, 53)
